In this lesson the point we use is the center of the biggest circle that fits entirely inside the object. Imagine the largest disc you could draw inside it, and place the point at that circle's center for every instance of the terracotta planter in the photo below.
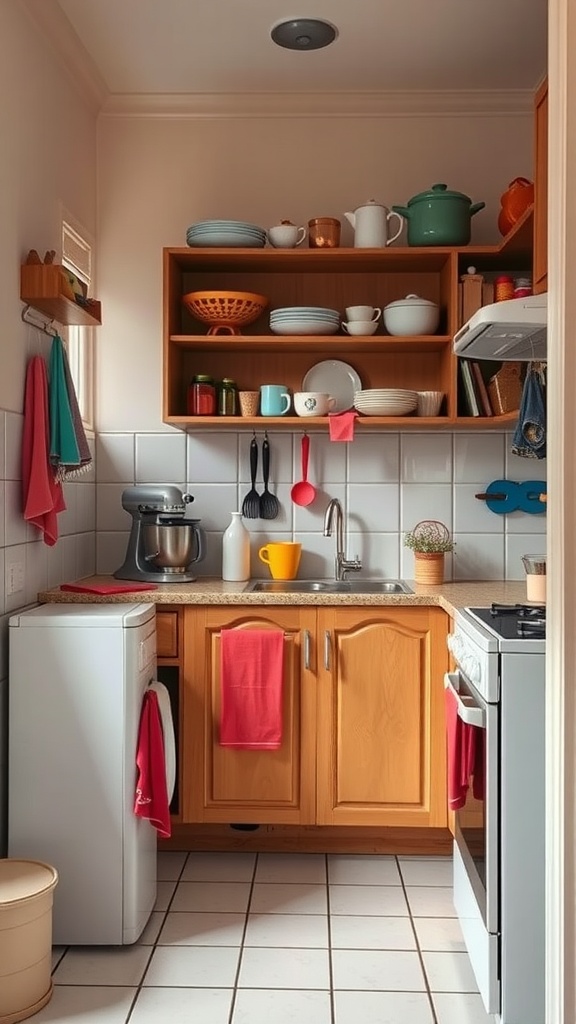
(429, 567)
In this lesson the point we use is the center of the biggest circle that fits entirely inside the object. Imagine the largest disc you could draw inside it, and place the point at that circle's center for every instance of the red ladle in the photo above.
(303, 492)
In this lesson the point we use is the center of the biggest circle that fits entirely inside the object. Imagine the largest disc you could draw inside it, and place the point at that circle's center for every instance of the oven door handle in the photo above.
(468, 711)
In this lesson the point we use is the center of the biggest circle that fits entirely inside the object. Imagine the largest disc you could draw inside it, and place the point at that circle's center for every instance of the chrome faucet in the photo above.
(341, 564)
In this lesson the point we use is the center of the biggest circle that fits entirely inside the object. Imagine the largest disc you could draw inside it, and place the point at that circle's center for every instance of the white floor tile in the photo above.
(427, 870)
(291, 867)
(164, 893)
(349, 932)
(382, 1008)
(212, 897)
(169, 865)
(283, 1007)
(193, 966)
(181, 929)
(430, 901)
(457, 1008)
(373, 969)
(152, 929)
(298, 931)
(449, 972)
(288, 898)
(182, 1005)
(441, 934)
(219, 867)
(368, 900)
(106, 965)
(86, 1005)
(355, 869)
(284, 968)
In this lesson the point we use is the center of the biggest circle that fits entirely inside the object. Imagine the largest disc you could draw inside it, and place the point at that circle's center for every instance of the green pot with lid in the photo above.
(439, 216)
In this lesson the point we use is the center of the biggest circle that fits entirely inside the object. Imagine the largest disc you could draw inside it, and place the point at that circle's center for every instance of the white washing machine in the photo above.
(77, 677)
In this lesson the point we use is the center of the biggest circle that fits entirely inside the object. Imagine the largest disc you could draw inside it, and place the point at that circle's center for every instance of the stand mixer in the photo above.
(162, 544)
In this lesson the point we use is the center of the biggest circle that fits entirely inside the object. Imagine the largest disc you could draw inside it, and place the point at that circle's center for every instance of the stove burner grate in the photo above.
(527, 612)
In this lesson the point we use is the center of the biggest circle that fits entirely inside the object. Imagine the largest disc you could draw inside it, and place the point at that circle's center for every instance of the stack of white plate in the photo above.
(304, 320)
(227, 233)
(385, 402)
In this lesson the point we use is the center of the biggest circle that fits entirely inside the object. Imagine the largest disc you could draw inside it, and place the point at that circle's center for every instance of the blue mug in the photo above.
(274, 400)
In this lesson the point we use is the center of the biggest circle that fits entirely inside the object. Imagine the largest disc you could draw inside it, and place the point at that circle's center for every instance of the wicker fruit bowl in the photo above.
(225, 311)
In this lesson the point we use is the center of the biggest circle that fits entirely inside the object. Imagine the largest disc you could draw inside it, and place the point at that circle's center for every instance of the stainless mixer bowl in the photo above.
(171, 547)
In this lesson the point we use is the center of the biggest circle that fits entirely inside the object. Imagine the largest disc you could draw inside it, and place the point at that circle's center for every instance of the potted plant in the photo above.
(429, 540)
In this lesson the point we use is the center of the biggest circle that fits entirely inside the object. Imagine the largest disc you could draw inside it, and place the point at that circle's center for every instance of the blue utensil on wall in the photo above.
(503, 496)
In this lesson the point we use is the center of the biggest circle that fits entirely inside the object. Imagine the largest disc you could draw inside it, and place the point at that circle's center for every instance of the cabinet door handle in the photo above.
(306, 648)
(327, 650)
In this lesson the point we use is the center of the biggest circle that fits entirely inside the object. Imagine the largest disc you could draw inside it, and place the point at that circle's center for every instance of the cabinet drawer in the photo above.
(167, 634)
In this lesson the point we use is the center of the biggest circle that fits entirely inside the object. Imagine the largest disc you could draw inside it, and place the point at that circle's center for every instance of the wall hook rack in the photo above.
(46, 325)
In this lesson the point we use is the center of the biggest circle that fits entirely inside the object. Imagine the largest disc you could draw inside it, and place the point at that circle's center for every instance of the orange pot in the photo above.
(514, 202)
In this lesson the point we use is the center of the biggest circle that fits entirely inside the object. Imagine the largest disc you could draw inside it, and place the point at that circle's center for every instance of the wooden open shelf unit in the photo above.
(41, 288)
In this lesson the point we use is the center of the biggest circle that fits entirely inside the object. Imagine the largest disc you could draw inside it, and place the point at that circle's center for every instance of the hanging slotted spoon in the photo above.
(269, 504)
(251, 503)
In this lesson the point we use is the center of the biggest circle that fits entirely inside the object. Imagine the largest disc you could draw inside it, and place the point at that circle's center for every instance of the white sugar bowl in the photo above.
(411, 316)
(286, 235)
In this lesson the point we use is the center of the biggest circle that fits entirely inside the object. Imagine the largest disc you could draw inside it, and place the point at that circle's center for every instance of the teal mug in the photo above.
(274, 400)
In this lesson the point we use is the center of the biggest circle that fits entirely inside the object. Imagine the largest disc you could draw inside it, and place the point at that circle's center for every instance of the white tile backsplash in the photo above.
(478, 458)
(426, 458)
(160, 458)
(373, 457)
(116, 460)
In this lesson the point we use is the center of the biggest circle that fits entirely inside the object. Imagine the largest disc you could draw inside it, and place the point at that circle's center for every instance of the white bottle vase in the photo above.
(236, 551)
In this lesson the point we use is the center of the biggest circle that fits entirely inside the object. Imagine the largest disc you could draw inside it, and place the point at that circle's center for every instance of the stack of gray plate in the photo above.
(304, 320)
(227, 233)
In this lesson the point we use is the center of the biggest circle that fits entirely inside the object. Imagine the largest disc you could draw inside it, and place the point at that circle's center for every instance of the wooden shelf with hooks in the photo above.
(41, 287)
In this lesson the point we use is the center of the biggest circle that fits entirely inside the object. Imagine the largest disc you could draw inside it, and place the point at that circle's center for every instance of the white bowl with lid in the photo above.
(411, 316)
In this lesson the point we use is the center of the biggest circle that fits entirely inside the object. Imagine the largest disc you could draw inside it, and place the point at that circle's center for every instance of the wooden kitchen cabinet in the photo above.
(363, 720)
(335, 278)
(540, 283)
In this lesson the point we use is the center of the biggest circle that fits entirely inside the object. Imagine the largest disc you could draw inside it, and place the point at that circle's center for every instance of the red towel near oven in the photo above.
(251, 671)
(461, 739)
(151, 793)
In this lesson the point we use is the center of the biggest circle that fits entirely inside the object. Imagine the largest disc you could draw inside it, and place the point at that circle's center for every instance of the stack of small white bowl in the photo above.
(226, 233)
(304, 320)
(385, 402)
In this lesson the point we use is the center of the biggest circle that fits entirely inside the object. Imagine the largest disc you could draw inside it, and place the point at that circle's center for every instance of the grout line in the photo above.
(242, 941)
(330, 967)
(418, 950)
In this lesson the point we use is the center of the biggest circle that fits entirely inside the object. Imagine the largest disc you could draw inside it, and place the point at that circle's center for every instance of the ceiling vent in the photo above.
(304, 34)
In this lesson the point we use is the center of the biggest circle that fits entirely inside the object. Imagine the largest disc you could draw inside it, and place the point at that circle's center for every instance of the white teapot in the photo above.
(370, 223)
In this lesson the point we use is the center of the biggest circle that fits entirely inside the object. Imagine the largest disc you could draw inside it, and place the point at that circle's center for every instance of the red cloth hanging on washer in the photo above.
(151, 800)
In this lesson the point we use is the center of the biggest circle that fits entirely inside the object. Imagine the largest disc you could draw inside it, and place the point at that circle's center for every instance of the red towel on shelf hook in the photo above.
(42, 495)
(151, 793)
(251, 668)
(341, 425)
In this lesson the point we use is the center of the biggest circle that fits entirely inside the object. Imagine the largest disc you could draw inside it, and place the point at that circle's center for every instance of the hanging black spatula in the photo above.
(251, 503)
(269, 504)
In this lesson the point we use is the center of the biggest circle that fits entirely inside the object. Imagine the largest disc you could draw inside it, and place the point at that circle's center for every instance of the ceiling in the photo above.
(151, 48)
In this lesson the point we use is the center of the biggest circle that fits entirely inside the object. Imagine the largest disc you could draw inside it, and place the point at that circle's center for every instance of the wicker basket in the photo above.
(225, 310)
(429, 567)
(505, 389)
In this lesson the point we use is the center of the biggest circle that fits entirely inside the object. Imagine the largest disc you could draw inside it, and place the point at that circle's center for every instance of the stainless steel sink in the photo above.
(329, 587)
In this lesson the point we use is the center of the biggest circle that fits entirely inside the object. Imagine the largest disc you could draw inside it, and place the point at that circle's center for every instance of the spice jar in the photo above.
(227, 397)
(201, 399)
(522, 287)
(503, 288)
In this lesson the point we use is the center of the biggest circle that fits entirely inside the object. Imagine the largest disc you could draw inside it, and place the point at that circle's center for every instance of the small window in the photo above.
(78, 256)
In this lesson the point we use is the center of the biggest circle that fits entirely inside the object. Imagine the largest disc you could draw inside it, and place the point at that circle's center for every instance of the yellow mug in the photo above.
(282, 558)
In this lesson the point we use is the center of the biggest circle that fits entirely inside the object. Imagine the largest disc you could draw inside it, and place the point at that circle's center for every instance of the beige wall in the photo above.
(47, 158)
(158, 175)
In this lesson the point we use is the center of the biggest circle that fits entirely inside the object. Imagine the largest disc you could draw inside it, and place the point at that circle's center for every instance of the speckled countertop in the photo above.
(448, 596)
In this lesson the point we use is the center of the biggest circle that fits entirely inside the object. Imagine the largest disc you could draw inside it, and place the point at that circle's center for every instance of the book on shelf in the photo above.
(471, 404)
(481, 390)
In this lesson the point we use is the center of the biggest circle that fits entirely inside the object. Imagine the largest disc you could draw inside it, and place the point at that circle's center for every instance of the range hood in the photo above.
(513, 330)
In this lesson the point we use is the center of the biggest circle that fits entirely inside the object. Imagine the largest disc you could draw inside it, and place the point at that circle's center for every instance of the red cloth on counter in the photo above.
(251, 678)
(107, 588)
(341, 425)
(461, 739)
(42, 495)
(151, 793)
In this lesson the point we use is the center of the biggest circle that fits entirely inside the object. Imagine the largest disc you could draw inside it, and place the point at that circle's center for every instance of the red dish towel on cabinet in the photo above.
(151, 793)
(461, 739)
(251, 676)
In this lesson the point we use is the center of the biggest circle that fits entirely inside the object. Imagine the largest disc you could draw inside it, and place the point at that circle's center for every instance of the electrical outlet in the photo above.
(14, 578)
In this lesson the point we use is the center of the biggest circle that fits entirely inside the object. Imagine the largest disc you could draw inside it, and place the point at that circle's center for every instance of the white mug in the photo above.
(286, 236)
(359, 327)
(313, 403)
(363, 313)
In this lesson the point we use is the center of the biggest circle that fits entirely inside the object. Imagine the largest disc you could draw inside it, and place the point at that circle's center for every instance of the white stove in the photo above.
(499, 686)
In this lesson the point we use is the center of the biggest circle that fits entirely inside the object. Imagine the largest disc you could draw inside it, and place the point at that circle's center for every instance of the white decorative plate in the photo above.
(333, 377)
